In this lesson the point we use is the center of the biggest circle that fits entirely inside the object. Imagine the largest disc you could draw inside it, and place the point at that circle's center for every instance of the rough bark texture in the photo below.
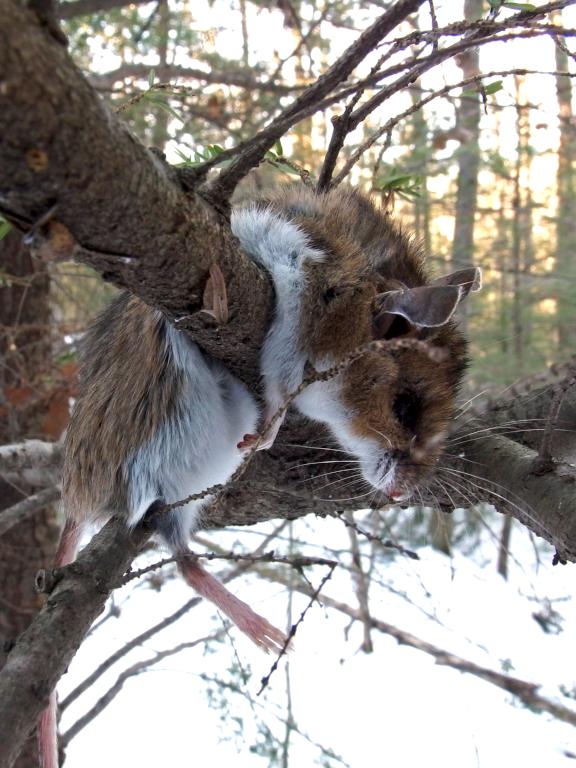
(511, 478)
(526, 419)
(62, 147)
(46, 648)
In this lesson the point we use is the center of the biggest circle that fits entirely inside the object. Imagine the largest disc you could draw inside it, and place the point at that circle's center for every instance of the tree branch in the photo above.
(31, 454)
(497, 469)
(26, 508)
(336, 74)
(479, 33)
(106, 80)
(63, 151)
(143, 637)
(135, 669)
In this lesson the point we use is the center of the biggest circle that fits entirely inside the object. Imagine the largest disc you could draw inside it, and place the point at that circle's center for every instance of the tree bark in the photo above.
(132, 222)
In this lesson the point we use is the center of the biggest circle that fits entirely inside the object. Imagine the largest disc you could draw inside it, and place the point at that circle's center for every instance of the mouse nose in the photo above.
(398, 494)
(399, 455)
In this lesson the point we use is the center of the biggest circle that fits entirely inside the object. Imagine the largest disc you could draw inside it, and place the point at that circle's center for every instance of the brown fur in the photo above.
(367, 253)
(127, 390)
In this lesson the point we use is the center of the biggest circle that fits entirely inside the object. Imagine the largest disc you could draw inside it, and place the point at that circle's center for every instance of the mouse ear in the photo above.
(469, 279)
(428, 306)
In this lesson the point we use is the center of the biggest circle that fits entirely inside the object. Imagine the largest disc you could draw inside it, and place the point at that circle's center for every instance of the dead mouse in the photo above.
(158, 420)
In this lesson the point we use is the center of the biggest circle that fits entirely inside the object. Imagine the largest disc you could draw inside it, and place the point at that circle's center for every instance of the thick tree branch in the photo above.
(63, 151)
(31, 454)
(547, 504)
(497, 469)
(525, 420)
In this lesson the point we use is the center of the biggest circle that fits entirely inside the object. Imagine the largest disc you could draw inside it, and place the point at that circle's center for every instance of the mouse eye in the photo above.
(407, 407)
(330, 295)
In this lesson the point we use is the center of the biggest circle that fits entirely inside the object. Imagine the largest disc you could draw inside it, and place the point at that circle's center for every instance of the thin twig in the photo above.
(297, 562)
(525, 690)
(140, 639)
(224, 185)
(314, 597)
(361, 582)
(132, 671)
(25, 509)
(390, 124)
(387, 543)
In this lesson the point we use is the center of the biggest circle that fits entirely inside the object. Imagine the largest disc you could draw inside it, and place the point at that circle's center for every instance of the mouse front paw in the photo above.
(256, 442)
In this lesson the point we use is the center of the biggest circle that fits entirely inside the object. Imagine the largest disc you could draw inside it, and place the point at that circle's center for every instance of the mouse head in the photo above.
(391, 408)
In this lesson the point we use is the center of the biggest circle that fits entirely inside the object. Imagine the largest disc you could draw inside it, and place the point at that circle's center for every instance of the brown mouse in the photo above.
(157, 420)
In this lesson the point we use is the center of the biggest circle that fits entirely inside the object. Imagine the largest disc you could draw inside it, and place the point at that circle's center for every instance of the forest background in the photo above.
(482, 173)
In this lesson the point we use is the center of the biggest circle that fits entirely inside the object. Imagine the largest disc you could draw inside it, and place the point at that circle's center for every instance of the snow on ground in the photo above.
(394, 707)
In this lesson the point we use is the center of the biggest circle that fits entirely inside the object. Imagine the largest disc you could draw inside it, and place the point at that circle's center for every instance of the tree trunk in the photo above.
(468, 128)
(566, 211)
(420, 166)
(25, 354)
(161, 117)
(522, 250)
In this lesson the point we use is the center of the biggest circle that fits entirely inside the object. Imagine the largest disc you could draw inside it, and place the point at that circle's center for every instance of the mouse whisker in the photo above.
(313, 447)
(319, 463)
(347, 482)
(382, 435)
(484, 487)
(506, 433)
(465, 407)
(348, 472)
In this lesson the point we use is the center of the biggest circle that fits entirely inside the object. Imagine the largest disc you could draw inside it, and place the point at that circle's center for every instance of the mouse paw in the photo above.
(250, 441)
(247, 443)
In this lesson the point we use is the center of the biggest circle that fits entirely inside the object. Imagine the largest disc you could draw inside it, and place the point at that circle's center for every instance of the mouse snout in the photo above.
(405, 471)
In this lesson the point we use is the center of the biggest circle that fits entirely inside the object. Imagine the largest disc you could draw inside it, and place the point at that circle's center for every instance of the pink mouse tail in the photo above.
(47, 733)
(47, 727)
(256, 627)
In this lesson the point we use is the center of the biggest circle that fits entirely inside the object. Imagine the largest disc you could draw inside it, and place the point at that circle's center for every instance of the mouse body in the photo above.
(157, 420)
(345, 274)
